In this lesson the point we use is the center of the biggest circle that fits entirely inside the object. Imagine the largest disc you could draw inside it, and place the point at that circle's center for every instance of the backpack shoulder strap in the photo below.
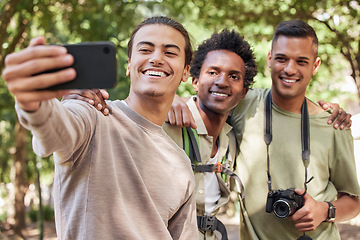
(191, 144)
(191, 147)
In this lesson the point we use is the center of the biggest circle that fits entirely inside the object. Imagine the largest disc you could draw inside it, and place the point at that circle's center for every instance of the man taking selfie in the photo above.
(108, 184)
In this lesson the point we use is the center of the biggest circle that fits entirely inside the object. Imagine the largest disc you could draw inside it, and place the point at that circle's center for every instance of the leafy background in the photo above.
(70, 21)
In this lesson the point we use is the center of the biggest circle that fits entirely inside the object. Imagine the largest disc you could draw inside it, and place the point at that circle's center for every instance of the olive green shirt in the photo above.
(331, 163)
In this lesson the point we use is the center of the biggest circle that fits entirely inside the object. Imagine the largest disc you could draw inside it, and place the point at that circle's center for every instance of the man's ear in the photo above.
(195, 84)
(269, 59)
(128, 68)
(316, 66)
(186, 73)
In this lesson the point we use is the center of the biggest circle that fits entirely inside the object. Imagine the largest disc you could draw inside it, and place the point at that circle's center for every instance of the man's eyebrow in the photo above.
(172, 46)
(283, 55)
(231, 71)
(304, 58)
(215, 68)
(235, 71)
(153, 45)
(145, 43)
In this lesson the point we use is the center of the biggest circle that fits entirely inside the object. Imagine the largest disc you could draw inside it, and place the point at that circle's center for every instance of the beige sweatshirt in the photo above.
(117, 176)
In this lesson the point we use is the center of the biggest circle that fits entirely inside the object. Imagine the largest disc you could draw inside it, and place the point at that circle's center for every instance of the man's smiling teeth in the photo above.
(288, 80)
(220, 94)
(155, 73)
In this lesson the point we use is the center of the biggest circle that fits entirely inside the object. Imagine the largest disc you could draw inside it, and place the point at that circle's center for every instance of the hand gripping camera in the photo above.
(284, 202)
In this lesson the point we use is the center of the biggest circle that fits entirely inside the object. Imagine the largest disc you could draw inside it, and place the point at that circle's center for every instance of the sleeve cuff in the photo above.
(38, 117)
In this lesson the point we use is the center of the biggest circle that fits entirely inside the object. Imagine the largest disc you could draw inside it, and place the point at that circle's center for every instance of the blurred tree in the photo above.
(13, 13)
(337, 23)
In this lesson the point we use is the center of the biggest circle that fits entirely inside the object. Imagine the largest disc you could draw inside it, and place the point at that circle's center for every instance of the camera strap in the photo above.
(305, 136)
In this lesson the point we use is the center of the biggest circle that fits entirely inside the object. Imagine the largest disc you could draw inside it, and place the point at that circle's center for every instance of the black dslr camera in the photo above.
(284, 202)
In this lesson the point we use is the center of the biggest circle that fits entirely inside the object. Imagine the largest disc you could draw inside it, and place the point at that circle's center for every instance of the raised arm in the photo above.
(178, 115)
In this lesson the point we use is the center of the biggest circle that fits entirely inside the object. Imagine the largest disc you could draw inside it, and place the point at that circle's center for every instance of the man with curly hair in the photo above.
(222, 71)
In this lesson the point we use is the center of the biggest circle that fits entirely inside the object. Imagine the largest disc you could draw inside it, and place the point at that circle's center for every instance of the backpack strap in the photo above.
(212, 223)
(191, 147)
(191, 144)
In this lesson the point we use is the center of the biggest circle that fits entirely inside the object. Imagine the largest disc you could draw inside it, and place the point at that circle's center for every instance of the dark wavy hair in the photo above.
(231, 41)
(168, 22)
(296, 28)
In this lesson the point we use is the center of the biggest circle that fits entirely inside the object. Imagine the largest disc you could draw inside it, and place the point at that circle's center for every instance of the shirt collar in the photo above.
(201, 129)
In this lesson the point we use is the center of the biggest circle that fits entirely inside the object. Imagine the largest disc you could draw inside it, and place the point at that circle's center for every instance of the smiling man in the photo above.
(107, 179)
(296, 145)
(223, 70)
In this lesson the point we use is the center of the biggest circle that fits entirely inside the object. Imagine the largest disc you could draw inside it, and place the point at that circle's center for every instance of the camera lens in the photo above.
(283, 209)
(106, 50)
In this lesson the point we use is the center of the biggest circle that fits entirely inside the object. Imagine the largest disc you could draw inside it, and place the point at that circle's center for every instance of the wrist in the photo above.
(331, 212)
(29, 107)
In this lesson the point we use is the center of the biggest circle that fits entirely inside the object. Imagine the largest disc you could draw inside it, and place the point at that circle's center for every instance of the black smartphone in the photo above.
(95, 66)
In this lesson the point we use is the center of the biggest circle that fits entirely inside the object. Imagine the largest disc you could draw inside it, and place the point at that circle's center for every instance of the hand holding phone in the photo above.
(95, 66)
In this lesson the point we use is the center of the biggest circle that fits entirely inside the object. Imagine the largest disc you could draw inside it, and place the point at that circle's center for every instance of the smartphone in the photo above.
(95, 66)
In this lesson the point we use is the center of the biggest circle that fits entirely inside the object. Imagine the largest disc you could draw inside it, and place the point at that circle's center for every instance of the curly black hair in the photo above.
(226, 40)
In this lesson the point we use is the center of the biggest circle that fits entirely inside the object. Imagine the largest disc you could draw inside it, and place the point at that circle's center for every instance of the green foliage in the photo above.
(3, 217)
(48, 213)
(185, 89)
(3, 203)
(7, 122)
(34, 213)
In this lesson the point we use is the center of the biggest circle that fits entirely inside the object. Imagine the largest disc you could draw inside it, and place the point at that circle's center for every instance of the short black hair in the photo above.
(163, 20)
(296, 28)
(231, 41)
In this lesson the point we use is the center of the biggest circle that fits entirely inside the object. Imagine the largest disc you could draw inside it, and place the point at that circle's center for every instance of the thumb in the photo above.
(300, 191)
(104, 93)
(323, 104)
(193, 125)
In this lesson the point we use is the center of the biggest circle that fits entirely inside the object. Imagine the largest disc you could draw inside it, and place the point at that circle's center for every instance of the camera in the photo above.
(284, 202)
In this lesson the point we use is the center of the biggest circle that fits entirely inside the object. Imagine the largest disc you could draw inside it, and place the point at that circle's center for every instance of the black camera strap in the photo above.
(305, 136)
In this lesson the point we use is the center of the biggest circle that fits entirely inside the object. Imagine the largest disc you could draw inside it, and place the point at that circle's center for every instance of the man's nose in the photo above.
(290, 67)
(156, 58)
(222, 80)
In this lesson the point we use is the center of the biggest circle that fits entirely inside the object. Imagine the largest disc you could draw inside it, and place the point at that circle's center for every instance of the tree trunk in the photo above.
(20, 178)
(5, 19)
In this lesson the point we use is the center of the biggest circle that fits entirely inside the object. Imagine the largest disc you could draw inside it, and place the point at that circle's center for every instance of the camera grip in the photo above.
(269, 203)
